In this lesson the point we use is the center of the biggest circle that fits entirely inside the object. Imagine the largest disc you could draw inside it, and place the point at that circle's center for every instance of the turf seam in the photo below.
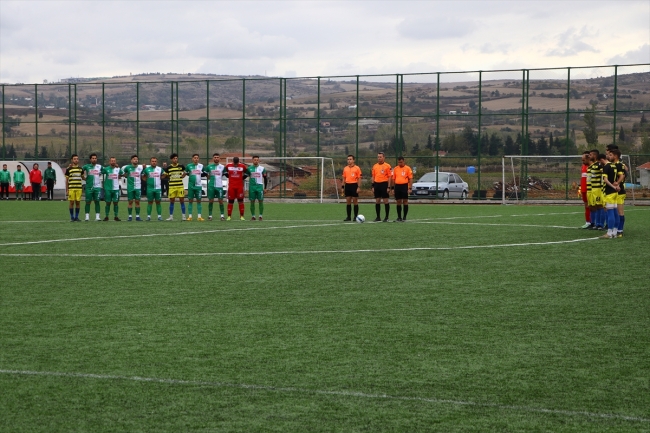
(325, 392)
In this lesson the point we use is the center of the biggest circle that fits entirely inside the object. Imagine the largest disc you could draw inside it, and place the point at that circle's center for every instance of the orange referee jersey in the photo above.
(402, 175)
(351, 174)
(381, 172)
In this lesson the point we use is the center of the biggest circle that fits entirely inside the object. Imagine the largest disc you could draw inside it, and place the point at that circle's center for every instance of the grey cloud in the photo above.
(640, 55)
(571, 43)
(435, 28)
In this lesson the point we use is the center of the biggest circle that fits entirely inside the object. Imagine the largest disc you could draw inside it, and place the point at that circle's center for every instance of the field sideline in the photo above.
(464, 319)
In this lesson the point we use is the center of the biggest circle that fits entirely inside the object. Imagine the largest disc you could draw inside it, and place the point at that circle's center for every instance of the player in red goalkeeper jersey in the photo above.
(583, 188)
(236, 173)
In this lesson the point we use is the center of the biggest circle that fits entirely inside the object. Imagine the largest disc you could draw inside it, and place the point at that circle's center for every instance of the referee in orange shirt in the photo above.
(403, 180)
(380, 176)
(351, 179)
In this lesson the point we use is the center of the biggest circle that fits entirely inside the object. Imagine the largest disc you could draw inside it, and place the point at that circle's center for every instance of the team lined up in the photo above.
(107, 178)
(603, 191)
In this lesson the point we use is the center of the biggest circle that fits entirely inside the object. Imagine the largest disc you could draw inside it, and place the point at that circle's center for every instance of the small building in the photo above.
(643, 175)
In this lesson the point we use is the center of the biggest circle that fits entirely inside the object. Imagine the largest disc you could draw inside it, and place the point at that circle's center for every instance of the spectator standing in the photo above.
(164, 182)
(49, 177)
(36, 179)
(19, 183)
(5, 180)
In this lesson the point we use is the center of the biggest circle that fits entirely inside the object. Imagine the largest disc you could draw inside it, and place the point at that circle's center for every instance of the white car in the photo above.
(449, 185)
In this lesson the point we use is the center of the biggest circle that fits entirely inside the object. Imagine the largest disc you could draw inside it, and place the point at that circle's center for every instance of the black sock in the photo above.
(348, 208)
(399, 211)
(406, 210)
(377, 209)
(387, 208)
(356, 210)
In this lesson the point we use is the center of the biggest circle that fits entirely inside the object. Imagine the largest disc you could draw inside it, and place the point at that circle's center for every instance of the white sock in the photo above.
(87, 215)
(198, 215)
(96, 216)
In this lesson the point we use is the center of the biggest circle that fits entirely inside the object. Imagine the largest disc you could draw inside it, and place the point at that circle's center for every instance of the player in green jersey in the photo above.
(19, 182)
(153, 175)
(93, 172)
(215, 184)
(133, 173)
(256, 186)
(195, 171)
(112, 175)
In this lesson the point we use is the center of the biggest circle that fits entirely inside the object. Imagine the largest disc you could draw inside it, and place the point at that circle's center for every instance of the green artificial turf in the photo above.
(465, 318)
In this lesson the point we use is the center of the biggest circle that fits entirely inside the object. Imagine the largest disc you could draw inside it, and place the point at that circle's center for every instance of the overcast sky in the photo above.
(58, 39)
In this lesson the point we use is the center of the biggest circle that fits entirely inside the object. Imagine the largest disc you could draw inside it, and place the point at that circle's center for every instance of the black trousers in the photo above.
(36, 191)
(50, 189)
(4, 188)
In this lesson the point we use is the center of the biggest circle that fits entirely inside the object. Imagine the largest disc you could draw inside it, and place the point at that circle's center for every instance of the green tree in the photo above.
(591, 134)
(471, 140)
(621, 134)
(429, 143)
(645, 144)
(542, 146)
(495, 144)
(510, 148)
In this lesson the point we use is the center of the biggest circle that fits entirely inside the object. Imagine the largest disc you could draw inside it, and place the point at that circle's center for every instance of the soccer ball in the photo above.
(360, 218)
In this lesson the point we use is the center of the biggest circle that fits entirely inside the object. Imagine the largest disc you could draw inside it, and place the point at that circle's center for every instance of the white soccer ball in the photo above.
(360, 218)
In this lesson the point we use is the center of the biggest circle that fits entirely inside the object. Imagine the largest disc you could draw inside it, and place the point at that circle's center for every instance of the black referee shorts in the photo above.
(381, 189)
(402, 191)
(351, 190)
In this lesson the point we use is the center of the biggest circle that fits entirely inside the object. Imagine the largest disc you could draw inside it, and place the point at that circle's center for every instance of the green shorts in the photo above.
(256, 194)
(153, 194)
(92, 194)
(133, 194)
(215, 193)
(194, 193)
(111, 195)
(19, 186)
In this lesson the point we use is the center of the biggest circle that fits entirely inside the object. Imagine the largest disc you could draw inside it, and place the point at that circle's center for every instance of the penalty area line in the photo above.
(269, 253)
(297, 390)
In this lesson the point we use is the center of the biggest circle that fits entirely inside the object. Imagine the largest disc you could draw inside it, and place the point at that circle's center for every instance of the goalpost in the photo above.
(550, 177)
(298, 177)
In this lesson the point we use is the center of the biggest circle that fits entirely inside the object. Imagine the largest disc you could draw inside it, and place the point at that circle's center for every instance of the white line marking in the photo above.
(488, 224)
(325, 392)
(47, 241)
(267, 253)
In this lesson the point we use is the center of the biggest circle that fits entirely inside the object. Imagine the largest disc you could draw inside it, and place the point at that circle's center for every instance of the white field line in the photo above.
(269, 253)
(326, 392)
(47, 241)
(498, 225)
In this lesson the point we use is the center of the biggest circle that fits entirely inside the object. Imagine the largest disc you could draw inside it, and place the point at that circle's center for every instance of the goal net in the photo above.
(298, 177)
(529, 178)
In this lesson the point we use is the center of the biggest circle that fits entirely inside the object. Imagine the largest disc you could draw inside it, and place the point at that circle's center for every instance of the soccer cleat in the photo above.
(98, 219)
(77, 220)
(189, 218)
(105, 218)
(404, 219)
(619, 235)
(200, 219)
(72, 220)
(385, 220)
(138, 219)
(117, 219)
(228, 218)
(586, 226)
(242, 218)
(605, 236)
(376, 220)
(148, 217)
(209, 217)
(253, 219)
(87, 219)
(223, 219)
(347, 219)
(260, 218)
(398, 220)
(130, 218)
(159, 218)
(184, 217)
(171, 218)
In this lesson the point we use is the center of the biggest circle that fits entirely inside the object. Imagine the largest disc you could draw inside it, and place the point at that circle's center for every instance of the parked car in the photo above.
(450, 185)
